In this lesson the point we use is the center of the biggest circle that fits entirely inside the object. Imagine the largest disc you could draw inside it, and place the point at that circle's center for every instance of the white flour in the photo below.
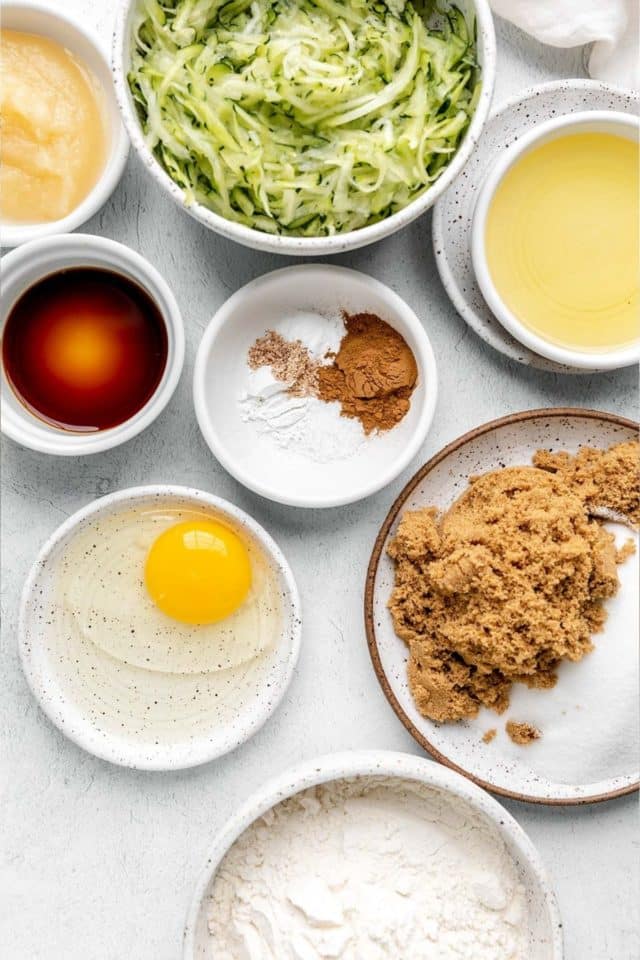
(368, 870)
(304, 425)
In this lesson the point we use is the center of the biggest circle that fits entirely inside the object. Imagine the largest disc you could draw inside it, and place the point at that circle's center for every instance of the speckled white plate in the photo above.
(545, 928)
(589, 721)
(255, 693)
(453, 213)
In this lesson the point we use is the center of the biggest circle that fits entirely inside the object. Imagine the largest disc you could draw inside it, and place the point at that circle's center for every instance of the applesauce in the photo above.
(54, 129)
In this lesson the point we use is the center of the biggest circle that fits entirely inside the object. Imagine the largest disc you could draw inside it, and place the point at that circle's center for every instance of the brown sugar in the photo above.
(372, 375)
(601, 478)
(522, 733)
(505, 585)
(489, 735)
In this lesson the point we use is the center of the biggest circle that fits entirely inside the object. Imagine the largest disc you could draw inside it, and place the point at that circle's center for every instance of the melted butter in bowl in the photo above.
(555, 240)
(133, 684)
(562, 240)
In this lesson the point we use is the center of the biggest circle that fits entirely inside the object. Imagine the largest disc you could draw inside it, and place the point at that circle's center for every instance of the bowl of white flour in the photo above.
(371, 856)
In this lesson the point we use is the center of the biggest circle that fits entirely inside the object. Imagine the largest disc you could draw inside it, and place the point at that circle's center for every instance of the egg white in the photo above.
(105, 603)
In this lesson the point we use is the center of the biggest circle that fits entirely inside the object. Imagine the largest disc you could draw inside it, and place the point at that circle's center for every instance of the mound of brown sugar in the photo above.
(507, 583)
(601, 478)
(522, 733)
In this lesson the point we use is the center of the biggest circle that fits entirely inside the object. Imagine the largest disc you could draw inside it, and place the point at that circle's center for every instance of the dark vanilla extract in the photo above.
(84, 349)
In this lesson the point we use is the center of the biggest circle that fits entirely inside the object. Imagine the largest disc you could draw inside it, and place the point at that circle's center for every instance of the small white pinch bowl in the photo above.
(37, 645)
(28, 264)
(306, 246)
(221, 367)
(545, 928)
(34, 17)
(592, 121)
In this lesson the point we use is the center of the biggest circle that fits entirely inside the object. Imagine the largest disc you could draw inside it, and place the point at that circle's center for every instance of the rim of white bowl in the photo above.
(13, 235)
(24, 427)
(457, 294)
(427, 368)
(146, 756)
(587, 360)
(364, 763)
(308, 246)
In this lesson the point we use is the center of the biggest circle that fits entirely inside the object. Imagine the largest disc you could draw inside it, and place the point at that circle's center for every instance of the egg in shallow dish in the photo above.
(167, 621)
(104, 595)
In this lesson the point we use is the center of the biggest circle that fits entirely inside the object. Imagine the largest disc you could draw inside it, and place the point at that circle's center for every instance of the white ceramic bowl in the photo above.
(38, 645)
(545, 931)
(42, 19)
(221, 368)
(306, 246)
(625, 125)
(31, 262)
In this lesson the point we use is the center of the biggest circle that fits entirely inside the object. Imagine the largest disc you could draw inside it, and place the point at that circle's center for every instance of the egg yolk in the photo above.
(198, 571)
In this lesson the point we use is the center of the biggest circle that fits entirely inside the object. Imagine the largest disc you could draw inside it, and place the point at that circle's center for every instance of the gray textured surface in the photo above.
(99, 862)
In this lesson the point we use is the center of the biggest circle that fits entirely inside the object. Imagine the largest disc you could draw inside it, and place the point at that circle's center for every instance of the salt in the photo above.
(307, 426)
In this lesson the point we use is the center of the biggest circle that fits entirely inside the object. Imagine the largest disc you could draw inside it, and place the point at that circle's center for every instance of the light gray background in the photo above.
(99, 862)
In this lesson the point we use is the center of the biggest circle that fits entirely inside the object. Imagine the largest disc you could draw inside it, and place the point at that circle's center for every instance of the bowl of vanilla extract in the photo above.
(92, 344)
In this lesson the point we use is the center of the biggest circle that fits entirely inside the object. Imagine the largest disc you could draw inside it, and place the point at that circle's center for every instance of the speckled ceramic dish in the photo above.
(138, 717)
(544, 927)
(588, 750)
(453, 214)
(306, 246)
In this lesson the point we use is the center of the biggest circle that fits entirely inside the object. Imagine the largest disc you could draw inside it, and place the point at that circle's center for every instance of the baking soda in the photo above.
(305, 425)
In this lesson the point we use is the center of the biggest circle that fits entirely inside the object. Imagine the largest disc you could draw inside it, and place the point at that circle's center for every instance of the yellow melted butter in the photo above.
(562, 241)
(54, 139)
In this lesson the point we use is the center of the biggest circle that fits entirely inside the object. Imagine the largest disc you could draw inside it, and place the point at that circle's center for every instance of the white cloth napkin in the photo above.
(611, 25)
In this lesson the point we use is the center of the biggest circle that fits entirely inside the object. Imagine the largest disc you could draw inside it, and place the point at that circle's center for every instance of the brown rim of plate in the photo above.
(373, 569)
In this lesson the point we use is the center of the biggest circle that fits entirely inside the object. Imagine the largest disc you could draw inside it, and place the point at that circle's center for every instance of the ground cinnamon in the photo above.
(372, 375)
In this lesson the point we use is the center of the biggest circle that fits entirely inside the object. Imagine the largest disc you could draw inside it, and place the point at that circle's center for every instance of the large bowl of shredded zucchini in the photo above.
(304, 126)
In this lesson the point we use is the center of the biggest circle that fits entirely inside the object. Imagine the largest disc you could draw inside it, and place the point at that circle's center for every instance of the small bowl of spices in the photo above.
(315, 385)
(92, 344)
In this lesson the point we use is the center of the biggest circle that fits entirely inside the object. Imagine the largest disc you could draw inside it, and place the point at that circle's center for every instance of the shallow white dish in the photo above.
(545, 927)
(305, 246)
(21, 269)
(590, 121)
(453, 214)
(37, 642)
(589, 721)
(221, 366)
(33, 17)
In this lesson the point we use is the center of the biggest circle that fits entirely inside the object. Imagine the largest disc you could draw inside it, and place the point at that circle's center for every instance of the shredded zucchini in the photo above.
(302, 117)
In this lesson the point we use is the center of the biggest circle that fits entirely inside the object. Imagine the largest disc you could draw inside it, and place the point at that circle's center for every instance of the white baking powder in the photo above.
(368, 870)
(304, 425)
